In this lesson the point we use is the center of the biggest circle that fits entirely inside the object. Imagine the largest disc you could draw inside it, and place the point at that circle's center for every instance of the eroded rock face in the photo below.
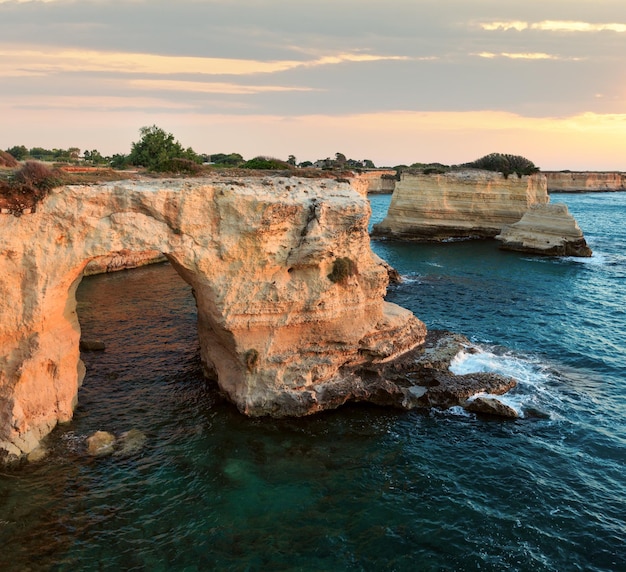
(122, 260)
(580, 181)
(546, 229)
(459, 204)
(278, 333)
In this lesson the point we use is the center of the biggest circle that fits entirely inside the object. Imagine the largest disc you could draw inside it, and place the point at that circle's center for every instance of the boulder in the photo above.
(490, 406)
(547, 229)
(92, 346)
(101, 443)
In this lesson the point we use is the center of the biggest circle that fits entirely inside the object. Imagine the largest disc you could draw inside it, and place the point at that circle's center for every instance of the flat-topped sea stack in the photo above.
(585, 181)
(546, 229)
(459, 204)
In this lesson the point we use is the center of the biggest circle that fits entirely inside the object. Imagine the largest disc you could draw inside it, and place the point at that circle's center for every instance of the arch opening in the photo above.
(150, 365)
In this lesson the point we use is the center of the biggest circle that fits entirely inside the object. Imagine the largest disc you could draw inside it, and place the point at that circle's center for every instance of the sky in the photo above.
(393, 81)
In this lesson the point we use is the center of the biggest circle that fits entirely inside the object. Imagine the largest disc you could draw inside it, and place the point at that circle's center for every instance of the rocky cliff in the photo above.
(289, 295)
(382, 181)
(458, 204)
(576, 182)
(545, 229)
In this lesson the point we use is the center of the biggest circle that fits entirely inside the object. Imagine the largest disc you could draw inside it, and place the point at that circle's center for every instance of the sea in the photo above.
(360, 488)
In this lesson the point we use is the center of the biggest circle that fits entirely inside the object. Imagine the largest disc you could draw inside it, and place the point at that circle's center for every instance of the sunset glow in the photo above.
(398, 83)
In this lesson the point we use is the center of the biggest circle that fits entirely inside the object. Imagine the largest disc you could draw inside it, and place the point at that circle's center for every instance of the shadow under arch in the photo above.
(147, 320)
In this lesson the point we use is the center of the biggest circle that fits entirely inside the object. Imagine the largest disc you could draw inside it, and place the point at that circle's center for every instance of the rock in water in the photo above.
(545, 229)
(462, 204)
(491, 406)
(92, 346)
(131, 442)
(101, 443)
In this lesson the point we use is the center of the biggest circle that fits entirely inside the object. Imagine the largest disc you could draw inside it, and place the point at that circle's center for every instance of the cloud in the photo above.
(37, 60)
(553, 26)
(210, 87)
(524, 56)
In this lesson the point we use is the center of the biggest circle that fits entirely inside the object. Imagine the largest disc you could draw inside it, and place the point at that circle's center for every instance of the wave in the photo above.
(531, 397)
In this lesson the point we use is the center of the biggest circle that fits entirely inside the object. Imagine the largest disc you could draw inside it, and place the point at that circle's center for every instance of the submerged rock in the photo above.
(491, 406)
(92, 346)
(131, 442)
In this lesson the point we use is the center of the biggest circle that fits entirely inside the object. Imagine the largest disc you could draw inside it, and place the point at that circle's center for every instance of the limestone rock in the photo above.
(379, 182)
(491, 406)
(545, 229)
(101, 443)
(37, 454)
(257, 253)
(581, 181)
(459, 204)
(122, 260)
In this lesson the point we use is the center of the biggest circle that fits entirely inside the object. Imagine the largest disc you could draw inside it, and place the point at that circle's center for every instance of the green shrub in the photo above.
(178, 165)
(343, 268)
(266, 163)
(505, 164)
(156, 148)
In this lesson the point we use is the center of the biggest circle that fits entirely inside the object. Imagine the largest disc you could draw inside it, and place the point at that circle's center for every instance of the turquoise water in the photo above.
(361, 488)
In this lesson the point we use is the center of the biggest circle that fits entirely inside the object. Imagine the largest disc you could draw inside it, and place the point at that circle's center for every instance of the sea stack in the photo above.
(470, 203)
(545, 229)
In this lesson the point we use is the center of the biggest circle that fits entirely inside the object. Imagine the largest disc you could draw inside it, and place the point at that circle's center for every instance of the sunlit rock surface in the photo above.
(259, 253)
(459, 204)
(546, 229)
(581, 181)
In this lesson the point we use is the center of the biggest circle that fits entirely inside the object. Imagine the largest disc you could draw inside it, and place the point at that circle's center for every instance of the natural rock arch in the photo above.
(281, 335)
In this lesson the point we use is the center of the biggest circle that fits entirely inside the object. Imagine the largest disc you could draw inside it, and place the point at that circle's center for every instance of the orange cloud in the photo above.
(37, 60)
(211, 87)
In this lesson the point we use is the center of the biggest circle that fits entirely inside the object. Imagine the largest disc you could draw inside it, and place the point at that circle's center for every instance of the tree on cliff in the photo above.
(505, 164)
(158, 151)
(20, 152)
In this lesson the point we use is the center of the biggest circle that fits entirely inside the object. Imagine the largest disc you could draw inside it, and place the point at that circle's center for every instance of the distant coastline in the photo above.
(585, 181)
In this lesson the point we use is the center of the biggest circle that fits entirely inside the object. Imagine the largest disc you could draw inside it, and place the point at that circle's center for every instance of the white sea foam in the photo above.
(532, 377)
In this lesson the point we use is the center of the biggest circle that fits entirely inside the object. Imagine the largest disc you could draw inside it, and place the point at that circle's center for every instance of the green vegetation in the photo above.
(226, 159)
(505, 164)
(343, 268)
(266, 163)
(340, 162)
(157, 149)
